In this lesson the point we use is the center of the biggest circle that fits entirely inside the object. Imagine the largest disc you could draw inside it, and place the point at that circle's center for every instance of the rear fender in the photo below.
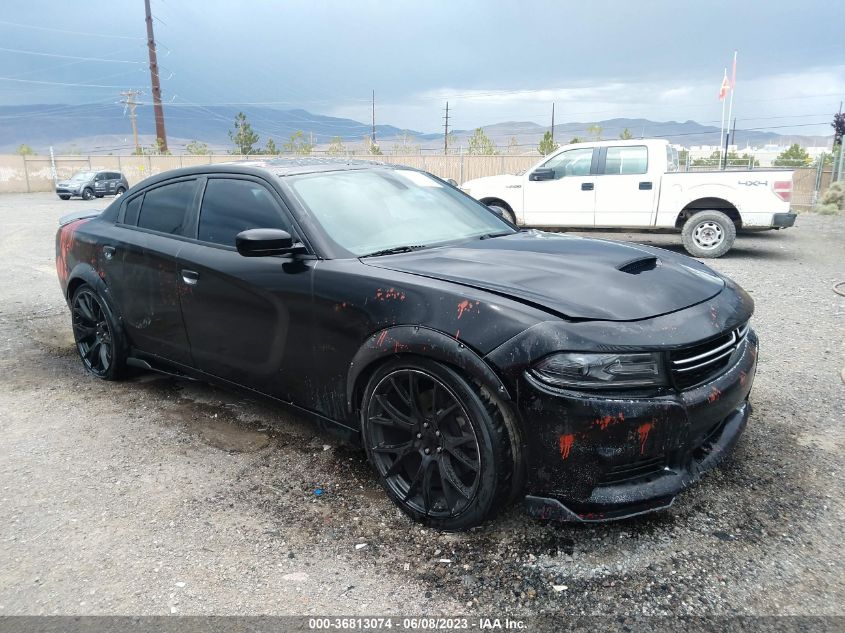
(420, 341)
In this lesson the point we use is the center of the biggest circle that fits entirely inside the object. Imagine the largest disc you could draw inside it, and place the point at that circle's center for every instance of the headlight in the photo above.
(600, 371)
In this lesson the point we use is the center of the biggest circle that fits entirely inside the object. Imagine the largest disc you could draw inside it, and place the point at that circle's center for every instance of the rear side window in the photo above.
(628, 159)
(230, 206)
(133, 208)
(166, 208)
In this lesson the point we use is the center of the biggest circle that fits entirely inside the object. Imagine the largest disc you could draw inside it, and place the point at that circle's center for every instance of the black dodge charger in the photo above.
(476, 363)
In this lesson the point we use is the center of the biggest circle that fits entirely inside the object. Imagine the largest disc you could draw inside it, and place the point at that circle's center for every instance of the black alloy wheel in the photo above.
(439, 449)
(97, 340)
(87, 194)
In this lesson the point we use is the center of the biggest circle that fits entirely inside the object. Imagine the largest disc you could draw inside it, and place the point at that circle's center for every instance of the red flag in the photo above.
(726, 86)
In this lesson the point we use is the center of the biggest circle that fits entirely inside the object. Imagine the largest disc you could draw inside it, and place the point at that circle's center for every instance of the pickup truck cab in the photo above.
(635, 184)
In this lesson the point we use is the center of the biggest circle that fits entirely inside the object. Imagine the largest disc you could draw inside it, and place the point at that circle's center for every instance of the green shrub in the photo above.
(831, 201)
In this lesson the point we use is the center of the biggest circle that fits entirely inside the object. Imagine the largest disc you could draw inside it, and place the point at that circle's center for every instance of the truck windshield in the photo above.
(372, 210)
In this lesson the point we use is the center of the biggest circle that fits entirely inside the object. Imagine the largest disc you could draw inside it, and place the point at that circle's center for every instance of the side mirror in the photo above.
(452, 182)
(266, 242)
(543, 173)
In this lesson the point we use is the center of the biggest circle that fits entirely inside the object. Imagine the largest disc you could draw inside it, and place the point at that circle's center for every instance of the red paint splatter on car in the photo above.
(466, 305)
(66, 237)
(457, 335)
(566, 442)
(381, 338)
(608, 420)
(389, 294)
(742, 378)
(642, 432)
(340, 306)
(715, 394)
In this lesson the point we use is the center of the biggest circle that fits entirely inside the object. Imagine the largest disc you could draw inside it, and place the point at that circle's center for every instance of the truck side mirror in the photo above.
(542, 173)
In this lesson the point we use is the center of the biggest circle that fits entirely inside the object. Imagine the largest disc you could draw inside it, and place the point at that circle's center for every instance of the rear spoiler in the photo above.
(78, 215)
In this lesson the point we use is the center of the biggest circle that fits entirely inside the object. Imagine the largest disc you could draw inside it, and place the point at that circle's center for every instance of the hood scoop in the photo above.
(639, 265)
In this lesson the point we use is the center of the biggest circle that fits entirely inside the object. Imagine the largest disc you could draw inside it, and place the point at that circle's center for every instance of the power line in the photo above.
(84, 59)
(56, 83)
(54, 30)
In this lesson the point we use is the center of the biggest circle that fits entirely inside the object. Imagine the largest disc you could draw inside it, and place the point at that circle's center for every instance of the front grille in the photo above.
(697, 364)
(633, 471)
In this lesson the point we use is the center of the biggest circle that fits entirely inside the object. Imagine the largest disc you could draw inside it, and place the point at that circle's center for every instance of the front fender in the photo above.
(422, 341)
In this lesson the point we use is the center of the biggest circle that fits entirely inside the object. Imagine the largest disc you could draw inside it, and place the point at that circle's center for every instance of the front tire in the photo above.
(65, 197)
(708, 234)
(504, 212)
(99, 339)
(438, 443)
(87, 194)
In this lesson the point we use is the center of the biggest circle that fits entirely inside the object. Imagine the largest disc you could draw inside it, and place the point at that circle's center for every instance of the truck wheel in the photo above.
(708, 234)
(503, 212)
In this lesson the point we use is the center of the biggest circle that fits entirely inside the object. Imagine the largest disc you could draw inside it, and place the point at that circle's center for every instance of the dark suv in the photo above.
(93, 184)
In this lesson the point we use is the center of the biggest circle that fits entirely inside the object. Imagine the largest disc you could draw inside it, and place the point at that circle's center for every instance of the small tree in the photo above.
(336, 147)
(793, 156)
(25, 150)
(405, 145)
(626, 135)
(479, 143)
(547, 144)
(298, 144)
(513, 145)
(196, 148)
(576, 139)
(838, 126)
(595, 131)
(243, 136)
(270, 148)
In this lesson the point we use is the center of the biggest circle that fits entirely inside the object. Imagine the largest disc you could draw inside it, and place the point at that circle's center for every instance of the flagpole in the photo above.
(731, 106)
(722, 127)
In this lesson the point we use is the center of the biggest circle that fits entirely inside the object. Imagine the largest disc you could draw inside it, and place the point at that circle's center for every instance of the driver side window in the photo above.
(574, 162)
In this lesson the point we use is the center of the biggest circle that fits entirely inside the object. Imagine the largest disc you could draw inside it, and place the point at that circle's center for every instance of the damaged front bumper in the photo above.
(597, 458)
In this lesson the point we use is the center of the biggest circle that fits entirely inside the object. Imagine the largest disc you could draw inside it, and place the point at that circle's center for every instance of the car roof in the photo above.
(279, 167)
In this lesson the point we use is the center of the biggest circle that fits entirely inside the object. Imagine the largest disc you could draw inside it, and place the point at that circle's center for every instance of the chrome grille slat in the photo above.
(701, 362)
(709, 361)
(692, 359)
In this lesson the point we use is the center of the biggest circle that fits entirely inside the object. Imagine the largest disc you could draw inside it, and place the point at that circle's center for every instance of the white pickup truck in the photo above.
(636, 185)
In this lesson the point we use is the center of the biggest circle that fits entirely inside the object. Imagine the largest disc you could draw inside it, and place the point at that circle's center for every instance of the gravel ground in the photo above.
(159, 496)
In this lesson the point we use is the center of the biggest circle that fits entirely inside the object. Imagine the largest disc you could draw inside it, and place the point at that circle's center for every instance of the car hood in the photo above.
(574, 277)
(504, 180)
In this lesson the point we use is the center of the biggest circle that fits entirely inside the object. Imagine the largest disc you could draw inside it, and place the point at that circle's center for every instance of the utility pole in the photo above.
(161, 135)
(129, 102)
(553, 123)
(374, 117)
(446, 132)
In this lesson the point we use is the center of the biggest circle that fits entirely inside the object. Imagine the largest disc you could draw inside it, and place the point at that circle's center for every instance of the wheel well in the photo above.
(497, 201)
(72, 286)
(708, 204)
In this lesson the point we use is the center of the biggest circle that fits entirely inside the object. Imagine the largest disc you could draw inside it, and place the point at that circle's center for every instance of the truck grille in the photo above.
(697, 364)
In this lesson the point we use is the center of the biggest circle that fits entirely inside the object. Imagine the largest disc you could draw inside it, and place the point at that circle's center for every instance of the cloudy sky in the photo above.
(493, 60)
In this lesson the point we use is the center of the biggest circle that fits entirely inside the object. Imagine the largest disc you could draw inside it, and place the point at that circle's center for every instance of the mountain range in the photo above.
(106, 128)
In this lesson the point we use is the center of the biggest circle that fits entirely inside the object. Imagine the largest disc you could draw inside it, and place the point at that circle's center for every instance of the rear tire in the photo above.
(99, 339)
(87, 194)
(100, 195)
(708, 234)
(120, 191)
(439, 444)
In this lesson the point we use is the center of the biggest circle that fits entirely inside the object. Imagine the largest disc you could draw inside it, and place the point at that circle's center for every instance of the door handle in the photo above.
(108, 252)
(190, 277)
(645, 186)
(587, 186)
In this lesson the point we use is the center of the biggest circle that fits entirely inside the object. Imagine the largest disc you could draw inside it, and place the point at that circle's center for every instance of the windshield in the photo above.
(373, 210)
(83, 175)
